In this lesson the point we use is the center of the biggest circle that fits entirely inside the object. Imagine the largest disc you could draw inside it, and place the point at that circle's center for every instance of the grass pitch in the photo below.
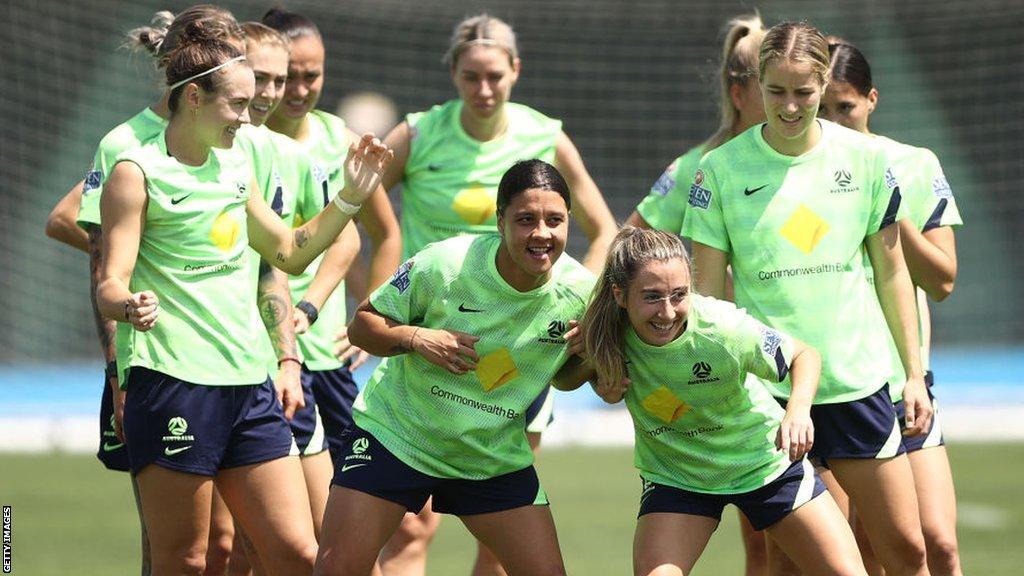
(71, 516)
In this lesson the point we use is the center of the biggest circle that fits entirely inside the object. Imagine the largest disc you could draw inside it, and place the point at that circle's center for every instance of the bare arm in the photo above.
(123, 213)
(105, 329)
(931, 258)
(589, 208)
(896, 296)
(275, 305)
(382, 336)
(709, 270)
(796, 431)
(293, 250)
(333, 267)
(378, 216)
(62, 224)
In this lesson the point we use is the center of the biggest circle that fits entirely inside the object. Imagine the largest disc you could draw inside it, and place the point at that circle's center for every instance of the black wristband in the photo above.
(111, 370)
(309, 310)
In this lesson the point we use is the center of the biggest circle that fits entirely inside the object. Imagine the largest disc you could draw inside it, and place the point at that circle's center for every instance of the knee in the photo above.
(911, 555)
(416, 531)
(193, 564)
(218, 555)
(943, 554)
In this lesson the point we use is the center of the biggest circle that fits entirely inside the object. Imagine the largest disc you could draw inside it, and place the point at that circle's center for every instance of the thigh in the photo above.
(883, 493)
(818, 539)
(269, 500)
(523, 539)
(842, 499)
(669, 544)
(356, 527)
(317, 470)
(936, 496)
(176, 511)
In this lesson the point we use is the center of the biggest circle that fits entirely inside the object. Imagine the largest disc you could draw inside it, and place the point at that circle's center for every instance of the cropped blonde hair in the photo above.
(740, 53)
(482, 30)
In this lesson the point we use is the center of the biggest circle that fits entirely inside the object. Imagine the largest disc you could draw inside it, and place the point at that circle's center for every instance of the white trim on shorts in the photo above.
(893, 443)
(935, 434)
(806, 490)
(540, 422)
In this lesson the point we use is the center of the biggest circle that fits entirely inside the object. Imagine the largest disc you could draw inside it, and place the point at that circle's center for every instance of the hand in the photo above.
(118, 405)
(609, 392)
(300, 321)
(574, 339)
(364, 167)
(288, 385)
(796, 433)
(343, 350)
(450, 349)
(918, 407)
(141, 310)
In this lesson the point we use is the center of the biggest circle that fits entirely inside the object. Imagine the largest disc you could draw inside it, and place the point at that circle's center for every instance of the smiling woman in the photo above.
(179, 214)
(444, 416)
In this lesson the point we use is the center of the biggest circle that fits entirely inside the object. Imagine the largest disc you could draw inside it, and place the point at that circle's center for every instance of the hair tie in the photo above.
(201, 74)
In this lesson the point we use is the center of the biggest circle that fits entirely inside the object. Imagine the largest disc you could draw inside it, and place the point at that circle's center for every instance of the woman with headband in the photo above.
(179, 213)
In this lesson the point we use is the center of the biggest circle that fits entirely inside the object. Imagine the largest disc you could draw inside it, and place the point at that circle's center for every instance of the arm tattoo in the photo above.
(274, 302)
(301, 238)
(104, 328)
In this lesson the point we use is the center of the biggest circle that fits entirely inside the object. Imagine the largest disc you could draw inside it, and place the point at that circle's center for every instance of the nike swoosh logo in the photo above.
(107, 447)
(748, 191)
(178, 200)
(462, 308)
(351, 466)
(172, 451)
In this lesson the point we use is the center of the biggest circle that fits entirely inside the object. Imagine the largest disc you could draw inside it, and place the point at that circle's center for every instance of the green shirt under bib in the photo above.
(193, 254)
(469, 426)
(794, 228)
(700, 423)
(450, 184)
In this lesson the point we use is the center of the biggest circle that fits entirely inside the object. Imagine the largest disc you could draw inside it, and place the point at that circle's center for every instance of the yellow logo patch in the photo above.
(496, 369)
(804, 229)
(665, 405)
(474, 205)
(225, 232)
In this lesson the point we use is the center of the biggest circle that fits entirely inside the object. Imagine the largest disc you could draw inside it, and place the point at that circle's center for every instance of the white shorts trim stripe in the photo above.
(892, 445)
(540, 422)
(935, 434)
(318, 441)
(806, 489)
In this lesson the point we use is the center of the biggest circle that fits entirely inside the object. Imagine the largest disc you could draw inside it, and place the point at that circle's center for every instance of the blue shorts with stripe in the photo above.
(862, 428)
(541, 412)
(933, 437)
(369, 467)
(201, 429)
(112, 452)
(798, 485)
(334, 392)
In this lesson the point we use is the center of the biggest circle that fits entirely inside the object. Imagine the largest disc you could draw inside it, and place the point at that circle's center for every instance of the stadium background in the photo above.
(634, 83)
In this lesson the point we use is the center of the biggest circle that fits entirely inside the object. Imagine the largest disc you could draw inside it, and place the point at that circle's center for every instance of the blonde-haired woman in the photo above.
(816, 198)
(449, 160)
(740, 108)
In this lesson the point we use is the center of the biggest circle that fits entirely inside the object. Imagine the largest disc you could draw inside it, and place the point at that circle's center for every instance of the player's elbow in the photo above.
(56, 226)
(942, 290)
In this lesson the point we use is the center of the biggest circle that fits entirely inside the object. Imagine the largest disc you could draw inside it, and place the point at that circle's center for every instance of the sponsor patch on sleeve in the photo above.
(92, 181)
(319, 174)
(940, 187)
(401, 279)
(890, 178)
(666, 182)
(699, 197)
(770, 340)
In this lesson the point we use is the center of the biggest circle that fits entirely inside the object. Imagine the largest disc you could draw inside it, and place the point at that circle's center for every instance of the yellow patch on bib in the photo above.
(804, 229)
(225, 232)
(496, 369)
(665, 405)
(474, 205)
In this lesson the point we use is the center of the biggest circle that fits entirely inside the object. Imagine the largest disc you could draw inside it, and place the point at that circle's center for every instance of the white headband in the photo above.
(201, 74)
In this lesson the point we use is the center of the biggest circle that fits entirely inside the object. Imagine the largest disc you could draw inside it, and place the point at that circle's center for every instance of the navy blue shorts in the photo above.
(367, 466)
(863, 428)
(541, 412)
(933, 437)
(200, 429)
(307, 426)
(798, 485)
(334, 391)
(112, 452)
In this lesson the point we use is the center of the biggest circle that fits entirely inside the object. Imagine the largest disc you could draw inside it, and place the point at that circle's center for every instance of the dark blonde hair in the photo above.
(740, 53)
(604, 323)
(163, 34)
(196, 53)
(796, 42)
(258, 34)
(482, 29)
